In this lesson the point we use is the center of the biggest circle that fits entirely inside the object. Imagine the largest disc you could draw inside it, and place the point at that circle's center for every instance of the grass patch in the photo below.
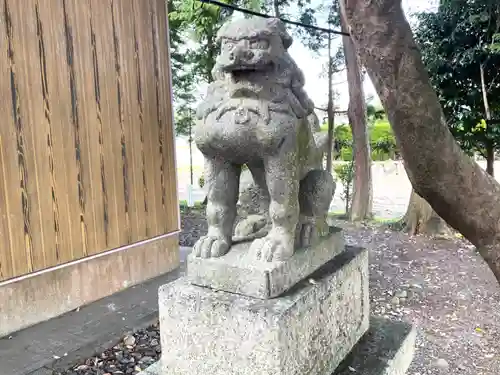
(183, 206)
(394, 223)
(338, 215)
(383, 221)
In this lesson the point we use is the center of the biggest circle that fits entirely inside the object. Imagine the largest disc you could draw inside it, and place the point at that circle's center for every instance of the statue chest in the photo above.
(244, 130)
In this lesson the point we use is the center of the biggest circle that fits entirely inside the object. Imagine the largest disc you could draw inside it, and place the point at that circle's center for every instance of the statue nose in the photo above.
(237, 55)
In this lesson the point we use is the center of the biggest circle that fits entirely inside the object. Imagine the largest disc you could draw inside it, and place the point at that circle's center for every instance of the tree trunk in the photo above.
(361, 206)
(490, 151)
(453, 184)
(330, 107)
(420, 218)
(276, 7)
(490, 160)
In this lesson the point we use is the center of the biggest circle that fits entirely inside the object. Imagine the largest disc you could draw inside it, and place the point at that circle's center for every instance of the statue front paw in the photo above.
(211, 247)
(273, 247)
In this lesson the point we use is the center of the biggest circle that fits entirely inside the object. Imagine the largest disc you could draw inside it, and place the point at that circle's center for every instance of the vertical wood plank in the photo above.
(78, 26)
(14, 153)
(7, 267)
(44, 211)
(169, 186)
(152, 162)
(149, 220)
(55, 159)
(105, 76)
(132, 137)
(58, 80)
(120, 125)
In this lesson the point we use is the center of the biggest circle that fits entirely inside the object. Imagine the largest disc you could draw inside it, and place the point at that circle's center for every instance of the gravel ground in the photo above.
(441, 286)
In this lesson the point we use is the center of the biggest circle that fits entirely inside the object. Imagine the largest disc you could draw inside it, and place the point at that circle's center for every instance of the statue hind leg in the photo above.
(316, 192)
(251, 225)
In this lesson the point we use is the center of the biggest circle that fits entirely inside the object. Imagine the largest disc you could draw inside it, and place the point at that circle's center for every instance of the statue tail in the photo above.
(321, 140)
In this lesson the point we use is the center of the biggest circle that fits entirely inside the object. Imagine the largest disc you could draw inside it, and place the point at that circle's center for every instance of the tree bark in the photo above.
(276, 7)
(490, 160)
(330, 107)
(361, 206)
(490, 152)
(454, 185)
(420, 218)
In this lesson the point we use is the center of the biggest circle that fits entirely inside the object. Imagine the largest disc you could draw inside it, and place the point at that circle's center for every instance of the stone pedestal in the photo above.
(308, 330)
(386, 349)
(221, 320)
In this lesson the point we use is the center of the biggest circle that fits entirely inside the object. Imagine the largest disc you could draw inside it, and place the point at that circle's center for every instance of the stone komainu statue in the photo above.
(257, 113)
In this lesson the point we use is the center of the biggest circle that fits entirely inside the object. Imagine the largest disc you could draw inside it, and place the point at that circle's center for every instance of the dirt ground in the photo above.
(442, 286)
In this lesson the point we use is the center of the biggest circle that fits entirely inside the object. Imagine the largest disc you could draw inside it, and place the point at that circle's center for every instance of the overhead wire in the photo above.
(284, 20)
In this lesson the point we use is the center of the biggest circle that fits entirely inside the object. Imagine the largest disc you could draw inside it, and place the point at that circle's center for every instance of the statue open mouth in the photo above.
(243, 72)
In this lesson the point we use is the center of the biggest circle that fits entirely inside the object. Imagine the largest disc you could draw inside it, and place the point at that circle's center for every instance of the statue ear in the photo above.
(277, 25)
(287, 39)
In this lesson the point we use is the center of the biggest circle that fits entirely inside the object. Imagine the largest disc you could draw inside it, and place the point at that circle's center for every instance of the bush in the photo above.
(345, 174)
(382, 142)
(343, 142)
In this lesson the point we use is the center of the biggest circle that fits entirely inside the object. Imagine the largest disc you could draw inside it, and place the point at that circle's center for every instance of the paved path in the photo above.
(60, 342)
(391, 187)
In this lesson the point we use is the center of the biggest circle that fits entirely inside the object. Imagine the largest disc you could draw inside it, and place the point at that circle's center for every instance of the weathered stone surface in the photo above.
(308, 330)
(386, 349)
(257, 113)
(240, 272)
(154, 369)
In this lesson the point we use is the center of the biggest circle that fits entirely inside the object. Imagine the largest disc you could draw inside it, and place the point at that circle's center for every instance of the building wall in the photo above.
(87, 155)
(86, 150)
(50, 293)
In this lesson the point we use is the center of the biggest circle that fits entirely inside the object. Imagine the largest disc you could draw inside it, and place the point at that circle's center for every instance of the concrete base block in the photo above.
(239, 272)
(308, 330)
(386, 349)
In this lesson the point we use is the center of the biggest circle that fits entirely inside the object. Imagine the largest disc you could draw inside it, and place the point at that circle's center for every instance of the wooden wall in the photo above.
(86, 135)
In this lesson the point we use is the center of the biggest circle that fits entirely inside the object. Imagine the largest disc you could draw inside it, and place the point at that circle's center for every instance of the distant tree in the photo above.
(466, 197)
(460, 48)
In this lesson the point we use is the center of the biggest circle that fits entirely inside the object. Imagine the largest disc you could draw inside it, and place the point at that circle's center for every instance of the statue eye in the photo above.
(259, 44)
(228, 45)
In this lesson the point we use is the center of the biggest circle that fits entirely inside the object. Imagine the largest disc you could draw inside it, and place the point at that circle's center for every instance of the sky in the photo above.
(313, 64)
(317, 86)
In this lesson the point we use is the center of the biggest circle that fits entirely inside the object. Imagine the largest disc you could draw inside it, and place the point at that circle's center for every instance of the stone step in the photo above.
(386, 349)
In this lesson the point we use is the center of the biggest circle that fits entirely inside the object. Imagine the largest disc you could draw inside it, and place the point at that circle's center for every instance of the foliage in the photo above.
(193, 30)
(184, 119)
(456, 42)
(201, 181)
(382, 141)
(182, 77)
(302, 11)
(345, 174)
(374, 113)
